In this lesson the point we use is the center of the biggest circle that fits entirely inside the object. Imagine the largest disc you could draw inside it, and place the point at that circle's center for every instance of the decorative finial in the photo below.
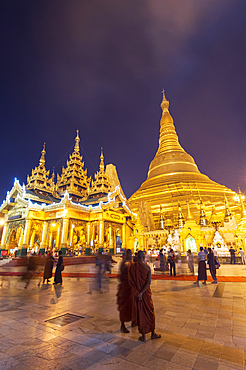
(101, 167)
(42, 159)
(77, 140)
(165, 102)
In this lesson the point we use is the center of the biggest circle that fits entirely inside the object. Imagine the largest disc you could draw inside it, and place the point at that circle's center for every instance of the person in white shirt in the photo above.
(242, 255)
(156, 264)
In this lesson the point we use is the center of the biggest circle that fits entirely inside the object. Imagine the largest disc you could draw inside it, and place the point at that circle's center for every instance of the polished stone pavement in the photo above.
(199, 329)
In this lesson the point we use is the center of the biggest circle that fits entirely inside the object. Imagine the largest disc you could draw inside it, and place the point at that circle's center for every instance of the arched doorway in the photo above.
(190, 243)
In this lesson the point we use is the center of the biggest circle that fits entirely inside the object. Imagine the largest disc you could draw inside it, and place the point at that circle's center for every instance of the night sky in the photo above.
(100, 67)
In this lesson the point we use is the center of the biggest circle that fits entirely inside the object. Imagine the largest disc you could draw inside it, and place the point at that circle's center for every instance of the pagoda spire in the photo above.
(170, 157)
(77, 140)
(101, 185)
(101, 166)
(168, 140)
(42, 158)
(73, 178)
(180, 218)
(40, 181)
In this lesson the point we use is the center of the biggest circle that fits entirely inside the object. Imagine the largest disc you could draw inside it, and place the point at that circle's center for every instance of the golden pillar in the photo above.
(4, 234)
(50, 240)
(64, 233)
(26, 234)
(21, 239)
(101, 234)
(123, 236)
(88, 233)
(43, 239)
(71, 236)
(58, 237)
(32, 239)
(111, 242)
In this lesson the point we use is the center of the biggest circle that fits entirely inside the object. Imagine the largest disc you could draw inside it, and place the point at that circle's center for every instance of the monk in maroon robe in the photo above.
(125, 293)
(143, 314)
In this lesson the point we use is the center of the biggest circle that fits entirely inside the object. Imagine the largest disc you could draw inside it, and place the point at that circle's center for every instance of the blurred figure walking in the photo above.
(48, 268)
(125, 293)
(190, 260)
(31, 267)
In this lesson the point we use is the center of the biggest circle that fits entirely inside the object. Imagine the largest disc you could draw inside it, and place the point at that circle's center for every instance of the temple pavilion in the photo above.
(180, 207)
(74, 212)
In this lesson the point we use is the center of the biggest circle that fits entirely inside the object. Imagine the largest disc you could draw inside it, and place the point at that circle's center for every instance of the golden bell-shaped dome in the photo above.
(174, 178)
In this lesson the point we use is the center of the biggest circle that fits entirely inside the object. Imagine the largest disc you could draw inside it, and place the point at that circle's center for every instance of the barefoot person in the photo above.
(143, 314)
(125, 294)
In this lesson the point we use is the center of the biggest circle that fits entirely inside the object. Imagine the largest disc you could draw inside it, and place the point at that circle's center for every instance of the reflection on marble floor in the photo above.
(198, 331)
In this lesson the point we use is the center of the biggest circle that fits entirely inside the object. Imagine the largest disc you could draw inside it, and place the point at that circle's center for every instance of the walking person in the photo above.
(202, 272)
(100, 271)
(31, 267)
(48, 267)
(171, 261)
(233, 257)
(143, 313)
(212, 262)
(59, 269)
(125, 293)
(242, 255)
(190, 260)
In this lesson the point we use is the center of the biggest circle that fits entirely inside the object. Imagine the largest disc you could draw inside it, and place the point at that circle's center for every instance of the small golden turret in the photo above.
(228, 215)
(181, 221)
(101, 185)
(74, 178)
(161, 220)
(39, 180)
(202, 218)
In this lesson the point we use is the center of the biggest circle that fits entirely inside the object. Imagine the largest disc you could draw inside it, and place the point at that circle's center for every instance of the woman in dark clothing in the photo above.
(212, 262)
(48, 268)
(162, 261)
(171, 261)
(59, 269)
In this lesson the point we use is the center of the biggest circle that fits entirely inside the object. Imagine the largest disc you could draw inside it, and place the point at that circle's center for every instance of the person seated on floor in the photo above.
(156, 265)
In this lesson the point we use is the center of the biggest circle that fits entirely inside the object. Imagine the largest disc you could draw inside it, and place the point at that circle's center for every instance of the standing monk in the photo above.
(125, 293)
(143, 314)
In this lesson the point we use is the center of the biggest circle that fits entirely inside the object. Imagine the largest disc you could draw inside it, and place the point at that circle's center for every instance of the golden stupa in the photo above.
(174, 182)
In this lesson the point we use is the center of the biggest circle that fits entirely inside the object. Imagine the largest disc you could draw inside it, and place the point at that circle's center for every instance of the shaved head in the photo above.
(140, 255)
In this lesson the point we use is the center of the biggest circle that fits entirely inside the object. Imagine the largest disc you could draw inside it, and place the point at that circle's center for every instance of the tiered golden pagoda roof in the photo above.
(39, 181)
(74, 178)
(174, 179)
(101, 185)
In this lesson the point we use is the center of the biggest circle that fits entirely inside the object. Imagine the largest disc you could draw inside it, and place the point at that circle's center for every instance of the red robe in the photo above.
(143, 313)
(125, 294)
